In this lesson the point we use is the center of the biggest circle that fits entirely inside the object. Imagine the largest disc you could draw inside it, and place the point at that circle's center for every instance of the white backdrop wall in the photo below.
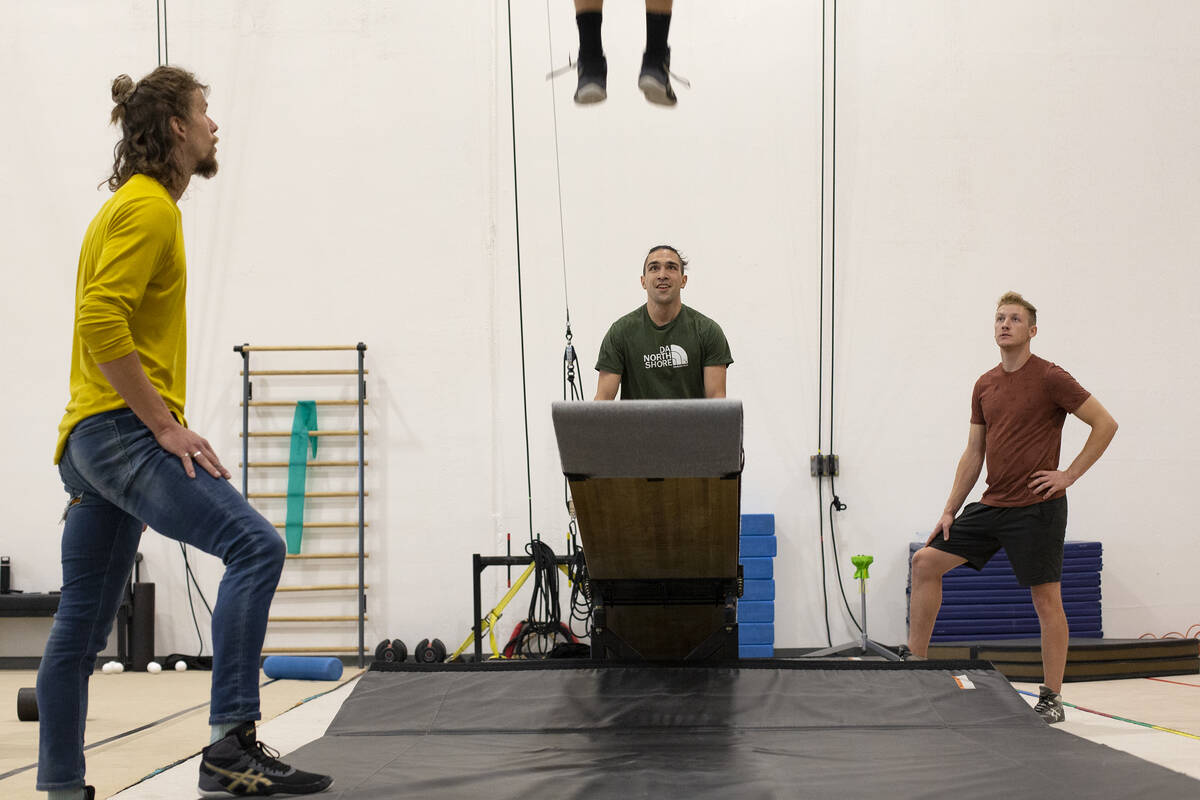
(367, 194)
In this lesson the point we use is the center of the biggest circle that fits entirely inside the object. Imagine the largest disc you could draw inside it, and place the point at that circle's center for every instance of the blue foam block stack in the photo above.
(990, 604)
(756, 609)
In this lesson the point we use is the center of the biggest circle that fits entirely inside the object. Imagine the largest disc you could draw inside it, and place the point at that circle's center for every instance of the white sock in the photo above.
(219, 731)
(65, 794)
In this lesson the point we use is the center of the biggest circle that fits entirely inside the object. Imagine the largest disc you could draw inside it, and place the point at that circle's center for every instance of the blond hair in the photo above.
(1015, 299)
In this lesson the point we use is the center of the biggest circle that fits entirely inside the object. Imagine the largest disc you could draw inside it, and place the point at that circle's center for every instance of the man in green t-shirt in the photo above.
(663, 350)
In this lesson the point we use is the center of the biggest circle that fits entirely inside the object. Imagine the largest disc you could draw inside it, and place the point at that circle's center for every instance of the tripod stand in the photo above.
(866, 646)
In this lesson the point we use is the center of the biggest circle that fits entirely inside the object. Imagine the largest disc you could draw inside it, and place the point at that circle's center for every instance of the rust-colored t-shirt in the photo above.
(1023, 412)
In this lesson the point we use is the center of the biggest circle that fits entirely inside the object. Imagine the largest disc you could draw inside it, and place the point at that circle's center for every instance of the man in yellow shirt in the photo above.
(128, 460)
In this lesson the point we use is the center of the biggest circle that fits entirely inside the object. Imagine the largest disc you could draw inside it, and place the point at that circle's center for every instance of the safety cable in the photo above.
(821, 283)
(835, 503)
(833, 235)
(189, 578)
(562, 239)
(573, 393)
(512, 105)
(160, 24)
(570, 359)
(821, 345)
(571, 370)
(824, 578)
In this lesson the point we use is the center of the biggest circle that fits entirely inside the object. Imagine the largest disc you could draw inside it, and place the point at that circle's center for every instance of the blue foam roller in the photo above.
(312, 668)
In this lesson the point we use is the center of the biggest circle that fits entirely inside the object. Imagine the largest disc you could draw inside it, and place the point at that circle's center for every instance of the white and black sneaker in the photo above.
(241, 766)
(1050, 706)
(593, 80)
(655, 78)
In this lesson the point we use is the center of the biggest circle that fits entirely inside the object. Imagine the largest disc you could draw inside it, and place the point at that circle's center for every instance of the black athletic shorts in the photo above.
(1031, 535)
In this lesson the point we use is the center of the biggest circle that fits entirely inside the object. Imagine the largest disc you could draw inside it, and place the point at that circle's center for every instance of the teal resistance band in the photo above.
(303, 422)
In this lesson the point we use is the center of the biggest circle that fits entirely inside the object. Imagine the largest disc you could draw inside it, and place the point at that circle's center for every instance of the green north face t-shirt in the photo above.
(663, 363)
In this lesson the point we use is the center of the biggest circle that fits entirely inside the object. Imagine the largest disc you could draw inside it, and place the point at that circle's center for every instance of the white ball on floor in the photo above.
(107, 667)
(118, 666)
(154, 666)
(181, 666)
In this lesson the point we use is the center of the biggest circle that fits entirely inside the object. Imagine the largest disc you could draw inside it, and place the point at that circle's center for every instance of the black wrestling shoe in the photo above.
(1050, 706)
(89, 793)
(241, 766)
(655, 78)
(908, 655)
(593, 80)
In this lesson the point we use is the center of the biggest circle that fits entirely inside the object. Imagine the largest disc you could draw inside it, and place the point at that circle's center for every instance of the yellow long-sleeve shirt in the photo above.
(129, 295)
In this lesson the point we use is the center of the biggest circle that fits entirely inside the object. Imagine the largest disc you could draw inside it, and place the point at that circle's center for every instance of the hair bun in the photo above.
(122, 88)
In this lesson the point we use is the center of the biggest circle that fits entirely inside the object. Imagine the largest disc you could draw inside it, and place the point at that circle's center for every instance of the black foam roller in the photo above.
(141, 636)
(27, 708)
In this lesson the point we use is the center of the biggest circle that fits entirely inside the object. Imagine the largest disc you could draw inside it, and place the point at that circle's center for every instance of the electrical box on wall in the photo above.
(820, 466)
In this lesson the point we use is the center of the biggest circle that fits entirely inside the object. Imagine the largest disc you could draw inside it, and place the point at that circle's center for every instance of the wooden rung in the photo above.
(254, 464)
(350, 648)
(324, 524)
(314, 619)
(254, 372)
(292, 403)
(245, 348)
(328, 587)
(307, 494)
(326, 555)
(255, 434)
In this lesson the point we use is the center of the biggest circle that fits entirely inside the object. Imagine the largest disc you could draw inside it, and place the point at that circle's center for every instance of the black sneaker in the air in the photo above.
(241, 766)
(1050, 706)
(593, 80)
(655, 78)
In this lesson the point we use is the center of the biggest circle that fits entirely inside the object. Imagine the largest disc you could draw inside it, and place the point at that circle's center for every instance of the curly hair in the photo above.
(144, 110)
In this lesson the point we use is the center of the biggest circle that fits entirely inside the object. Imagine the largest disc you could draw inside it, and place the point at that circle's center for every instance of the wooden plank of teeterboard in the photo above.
(638, 528)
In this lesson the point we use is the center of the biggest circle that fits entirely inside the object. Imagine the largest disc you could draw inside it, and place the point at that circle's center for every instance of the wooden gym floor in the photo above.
(125, 702)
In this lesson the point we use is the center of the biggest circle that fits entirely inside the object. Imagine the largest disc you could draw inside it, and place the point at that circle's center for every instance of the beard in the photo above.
(208, 165)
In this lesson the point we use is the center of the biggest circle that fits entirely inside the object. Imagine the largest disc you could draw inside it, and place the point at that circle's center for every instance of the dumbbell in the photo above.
(27, 708)
(390, 650)
(428, 652)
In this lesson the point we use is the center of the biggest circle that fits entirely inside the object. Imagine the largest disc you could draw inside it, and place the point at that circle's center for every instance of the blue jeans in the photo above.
(117, 476)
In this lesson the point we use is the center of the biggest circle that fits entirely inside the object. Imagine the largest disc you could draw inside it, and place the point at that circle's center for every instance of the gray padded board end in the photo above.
(649, 438)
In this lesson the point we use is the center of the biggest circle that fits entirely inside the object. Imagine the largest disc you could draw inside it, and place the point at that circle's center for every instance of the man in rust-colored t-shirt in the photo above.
(1023, 413)
(1017, 414)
